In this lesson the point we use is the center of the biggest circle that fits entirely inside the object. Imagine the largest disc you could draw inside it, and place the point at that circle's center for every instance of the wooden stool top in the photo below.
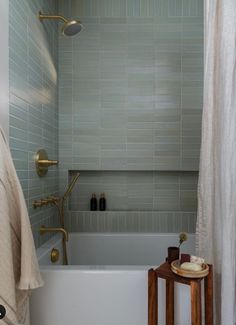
(164, 272)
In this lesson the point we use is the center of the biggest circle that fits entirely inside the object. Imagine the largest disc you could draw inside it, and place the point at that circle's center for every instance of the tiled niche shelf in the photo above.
(131, 221)
(130, 191)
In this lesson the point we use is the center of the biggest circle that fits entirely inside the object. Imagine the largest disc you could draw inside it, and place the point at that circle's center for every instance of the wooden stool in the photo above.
(164, 272)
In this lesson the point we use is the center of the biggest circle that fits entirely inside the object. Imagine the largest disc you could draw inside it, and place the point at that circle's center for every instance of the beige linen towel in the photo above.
(19, 270)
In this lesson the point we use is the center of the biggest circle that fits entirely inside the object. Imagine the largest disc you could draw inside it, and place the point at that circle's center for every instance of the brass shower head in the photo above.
(69, 28)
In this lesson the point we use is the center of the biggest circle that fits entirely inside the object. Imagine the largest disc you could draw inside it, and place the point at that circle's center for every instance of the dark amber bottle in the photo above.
(102, 202)
(93, 203)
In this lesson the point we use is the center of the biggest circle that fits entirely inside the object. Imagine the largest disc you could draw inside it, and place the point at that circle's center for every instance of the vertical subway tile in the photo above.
(33, 82)
(133, 101)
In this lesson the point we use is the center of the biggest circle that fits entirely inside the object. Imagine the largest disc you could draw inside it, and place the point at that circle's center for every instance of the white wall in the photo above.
(4, 66)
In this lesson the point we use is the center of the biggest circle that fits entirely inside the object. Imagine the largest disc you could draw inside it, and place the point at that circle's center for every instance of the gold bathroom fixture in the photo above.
(40, 203)
(55, 255)
(70, 187)
(53, 199)
(42, 162)
(59, 202)
(69, 28)
(46, 201)
(37, 204)
(43, 230)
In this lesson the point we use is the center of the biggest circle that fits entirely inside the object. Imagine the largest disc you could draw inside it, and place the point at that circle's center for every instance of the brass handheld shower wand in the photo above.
(70, 187)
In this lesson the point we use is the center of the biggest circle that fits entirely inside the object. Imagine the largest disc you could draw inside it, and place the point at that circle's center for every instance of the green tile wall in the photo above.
(130, 96)
(130, 93)
(33, 102)
(130, 100)
(133, 8)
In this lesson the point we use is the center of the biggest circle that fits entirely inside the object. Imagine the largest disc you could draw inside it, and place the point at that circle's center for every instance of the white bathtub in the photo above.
(106, 281)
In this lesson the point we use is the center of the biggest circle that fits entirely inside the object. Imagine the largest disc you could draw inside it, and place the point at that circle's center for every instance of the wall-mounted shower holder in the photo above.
(42, 162)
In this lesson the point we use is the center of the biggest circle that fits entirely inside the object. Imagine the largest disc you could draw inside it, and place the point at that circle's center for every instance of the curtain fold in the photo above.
(216, 221)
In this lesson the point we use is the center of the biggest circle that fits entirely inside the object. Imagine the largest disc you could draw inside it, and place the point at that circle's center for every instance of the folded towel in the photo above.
(19, 270)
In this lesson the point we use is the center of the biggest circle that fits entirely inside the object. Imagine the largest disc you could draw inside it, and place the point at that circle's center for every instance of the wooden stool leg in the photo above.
(196, 314)
(152, 298)
(208, 281)
(169, 302)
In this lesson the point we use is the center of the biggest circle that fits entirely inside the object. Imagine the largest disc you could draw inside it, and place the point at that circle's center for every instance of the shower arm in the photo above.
(42, 16)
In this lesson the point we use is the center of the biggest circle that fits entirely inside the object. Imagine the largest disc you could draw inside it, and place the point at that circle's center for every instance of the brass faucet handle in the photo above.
(42, 229)
(40, 203)
(44, 202)
(37, 204)
(47, 162)
(53, 199)
(42, 162)
(50, 199)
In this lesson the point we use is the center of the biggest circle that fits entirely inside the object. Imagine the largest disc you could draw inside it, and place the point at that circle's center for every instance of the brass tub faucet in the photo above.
(43, 230)
(59, 202)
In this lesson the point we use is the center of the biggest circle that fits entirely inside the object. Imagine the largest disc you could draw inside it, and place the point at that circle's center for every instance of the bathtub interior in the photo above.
(123, 249)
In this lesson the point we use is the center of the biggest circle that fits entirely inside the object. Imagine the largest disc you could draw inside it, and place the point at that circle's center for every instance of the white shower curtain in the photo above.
(216, 222)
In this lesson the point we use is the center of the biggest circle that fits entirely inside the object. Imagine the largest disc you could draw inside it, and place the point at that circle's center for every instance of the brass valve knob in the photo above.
(42, 162)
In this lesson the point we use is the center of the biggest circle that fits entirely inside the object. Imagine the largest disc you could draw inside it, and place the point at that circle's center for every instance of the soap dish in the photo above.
(175, 267)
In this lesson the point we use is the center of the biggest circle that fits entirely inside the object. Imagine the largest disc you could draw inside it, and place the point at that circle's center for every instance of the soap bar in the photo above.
(190, 266)
(184, 258)
(197, 260)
